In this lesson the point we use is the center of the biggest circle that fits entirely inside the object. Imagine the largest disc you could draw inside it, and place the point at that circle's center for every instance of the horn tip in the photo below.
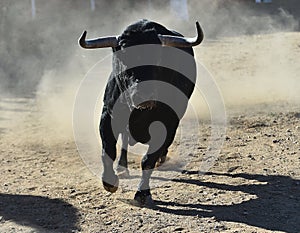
(198, 25)
(82, 39)
(200, 32)
(84, 34)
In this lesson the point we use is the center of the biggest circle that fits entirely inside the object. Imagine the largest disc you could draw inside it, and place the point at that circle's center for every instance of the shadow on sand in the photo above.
(42, 213)
(277, 206)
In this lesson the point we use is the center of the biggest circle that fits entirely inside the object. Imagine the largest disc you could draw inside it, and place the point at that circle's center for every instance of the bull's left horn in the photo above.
(177, 41)
(102, 42)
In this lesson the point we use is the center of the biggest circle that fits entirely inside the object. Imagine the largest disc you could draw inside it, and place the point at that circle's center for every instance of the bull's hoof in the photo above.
(111, 188)
(161, 160)
(143, 198)
(123, 172)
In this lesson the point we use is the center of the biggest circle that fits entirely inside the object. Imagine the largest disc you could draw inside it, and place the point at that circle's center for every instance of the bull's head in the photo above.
(166, 40)
(128, 78)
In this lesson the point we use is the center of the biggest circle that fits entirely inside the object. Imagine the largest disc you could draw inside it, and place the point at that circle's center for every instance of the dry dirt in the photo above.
(254, 186)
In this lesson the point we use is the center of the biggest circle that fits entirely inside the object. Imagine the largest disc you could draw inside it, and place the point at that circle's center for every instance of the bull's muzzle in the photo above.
(147, 105)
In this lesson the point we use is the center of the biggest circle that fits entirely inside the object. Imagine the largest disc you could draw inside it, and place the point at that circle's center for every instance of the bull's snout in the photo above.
(146, 105)
(145, 98)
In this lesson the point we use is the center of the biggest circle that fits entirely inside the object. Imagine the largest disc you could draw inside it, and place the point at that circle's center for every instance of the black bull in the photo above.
(141, 91)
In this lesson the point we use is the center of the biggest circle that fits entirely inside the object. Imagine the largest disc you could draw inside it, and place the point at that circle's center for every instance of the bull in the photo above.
(124, 97)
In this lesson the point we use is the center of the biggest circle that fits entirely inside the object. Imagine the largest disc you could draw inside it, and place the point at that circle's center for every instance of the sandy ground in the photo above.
(254, 186)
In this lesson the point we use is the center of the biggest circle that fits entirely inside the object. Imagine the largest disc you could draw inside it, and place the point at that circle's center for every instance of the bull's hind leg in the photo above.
(109, 178)
(122, 168)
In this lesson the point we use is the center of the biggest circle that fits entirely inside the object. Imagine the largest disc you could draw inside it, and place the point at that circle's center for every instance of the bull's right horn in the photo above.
(102, 42)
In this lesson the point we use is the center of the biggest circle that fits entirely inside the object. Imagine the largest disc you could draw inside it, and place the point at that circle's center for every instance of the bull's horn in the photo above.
(102, 42)
(177, 41)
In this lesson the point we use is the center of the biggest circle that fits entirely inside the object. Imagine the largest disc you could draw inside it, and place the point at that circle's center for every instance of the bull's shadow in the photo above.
(277, 206)
(42, 213)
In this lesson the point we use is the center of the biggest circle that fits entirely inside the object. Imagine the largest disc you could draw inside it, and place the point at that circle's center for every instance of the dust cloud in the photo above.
(245, 50)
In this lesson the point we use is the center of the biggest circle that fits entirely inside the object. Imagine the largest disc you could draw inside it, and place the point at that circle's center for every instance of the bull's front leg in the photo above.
(143, 194)
(158, 148)
(109, 178)
(122, 168)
